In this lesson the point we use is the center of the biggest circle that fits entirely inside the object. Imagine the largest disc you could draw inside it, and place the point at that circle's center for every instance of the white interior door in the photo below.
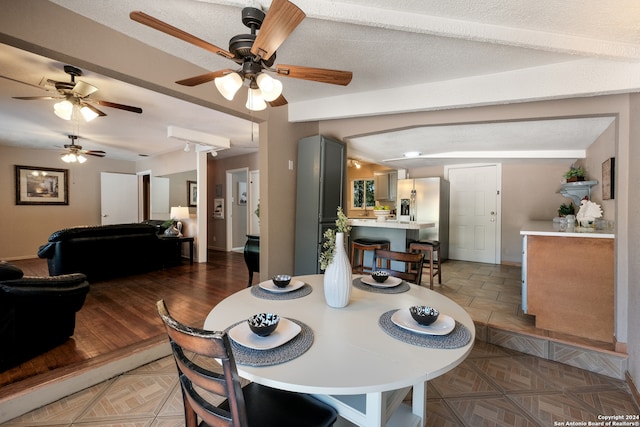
(118, 198)
(474, 225)
(160, 197)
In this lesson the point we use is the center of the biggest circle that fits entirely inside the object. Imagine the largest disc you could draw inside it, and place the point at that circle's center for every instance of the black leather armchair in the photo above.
(36, 313)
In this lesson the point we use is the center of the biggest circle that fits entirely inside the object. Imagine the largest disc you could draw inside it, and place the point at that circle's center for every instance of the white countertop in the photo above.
(390, 223)
(550, 228)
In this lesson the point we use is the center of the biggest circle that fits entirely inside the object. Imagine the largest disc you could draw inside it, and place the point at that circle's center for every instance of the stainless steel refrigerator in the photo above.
(430, 204)
(319, 192)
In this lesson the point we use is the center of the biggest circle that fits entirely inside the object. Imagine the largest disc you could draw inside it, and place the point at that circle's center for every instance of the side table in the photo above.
(252, 255)
(179, 241)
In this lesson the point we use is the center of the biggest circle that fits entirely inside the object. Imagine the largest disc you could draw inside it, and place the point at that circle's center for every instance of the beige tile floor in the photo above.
(494, 386)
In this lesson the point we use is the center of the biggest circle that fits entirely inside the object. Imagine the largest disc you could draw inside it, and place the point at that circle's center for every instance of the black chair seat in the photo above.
(270, 407)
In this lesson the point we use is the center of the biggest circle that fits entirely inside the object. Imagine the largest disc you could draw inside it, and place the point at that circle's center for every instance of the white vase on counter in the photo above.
(337, 276)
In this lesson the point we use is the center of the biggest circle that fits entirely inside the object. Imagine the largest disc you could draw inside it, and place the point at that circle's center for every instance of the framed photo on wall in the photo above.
(242, 193)
(41, 186)
(608, 178)
(192, 193)
(218, 208)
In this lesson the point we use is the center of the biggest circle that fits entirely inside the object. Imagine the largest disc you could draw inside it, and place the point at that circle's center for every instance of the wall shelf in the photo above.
(577, 190)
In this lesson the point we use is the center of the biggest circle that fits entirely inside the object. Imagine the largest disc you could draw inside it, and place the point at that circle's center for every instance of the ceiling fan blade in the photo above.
(278, 102)
(28, 98)
(282, 18)
(20, 81)
(157, 24)
(321, 75)
(204, 78)
(94, 109)
(118, 106)
(83, 89)
(97, 153)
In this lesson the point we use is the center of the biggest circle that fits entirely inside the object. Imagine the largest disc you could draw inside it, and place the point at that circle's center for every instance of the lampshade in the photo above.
(179, 212)
(271, 88)
(88, 113)
(63, 109)
(255, 102)
(228, 85)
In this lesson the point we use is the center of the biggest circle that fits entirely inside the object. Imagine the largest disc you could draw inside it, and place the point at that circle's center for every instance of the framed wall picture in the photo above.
(218, 208)
(41, 186)
(608, 178)
(192, 193)
(242, 193)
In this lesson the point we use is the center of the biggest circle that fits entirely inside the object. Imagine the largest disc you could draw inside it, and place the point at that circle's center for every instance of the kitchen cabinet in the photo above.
(568, 280)
(386, 185)
(320, 190)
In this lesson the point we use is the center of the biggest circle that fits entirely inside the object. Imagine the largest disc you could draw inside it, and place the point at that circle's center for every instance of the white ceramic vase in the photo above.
(337, 277)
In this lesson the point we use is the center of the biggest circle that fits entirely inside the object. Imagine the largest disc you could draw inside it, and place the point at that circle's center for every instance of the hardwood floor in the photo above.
(119, 315)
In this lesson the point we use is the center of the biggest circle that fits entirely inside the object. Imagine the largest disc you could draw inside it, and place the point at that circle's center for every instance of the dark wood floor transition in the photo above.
(119, 315)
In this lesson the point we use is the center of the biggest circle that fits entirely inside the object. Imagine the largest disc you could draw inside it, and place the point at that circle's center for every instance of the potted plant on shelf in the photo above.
(574, 174)
(566, 209)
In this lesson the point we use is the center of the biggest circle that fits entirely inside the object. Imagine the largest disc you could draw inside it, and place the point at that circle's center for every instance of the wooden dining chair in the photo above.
(412, 268)
(195, 352)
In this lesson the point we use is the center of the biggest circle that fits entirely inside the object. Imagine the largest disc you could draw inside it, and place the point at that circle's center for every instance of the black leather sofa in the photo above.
(107, 251)
(36, 313)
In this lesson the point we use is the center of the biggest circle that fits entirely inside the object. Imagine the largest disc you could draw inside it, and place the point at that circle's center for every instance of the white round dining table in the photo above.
(353, 363)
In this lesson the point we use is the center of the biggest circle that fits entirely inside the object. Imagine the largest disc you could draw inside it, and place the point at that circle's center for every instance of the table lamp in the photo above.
(178, 213)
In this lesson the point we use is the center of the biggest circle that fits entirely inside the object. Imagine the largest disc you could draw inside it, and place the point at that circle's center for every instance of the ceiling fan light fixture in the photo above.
(63, 109)
(81, 159)
(271, 88)
(228, 85)
(88, 113)
(255, 101)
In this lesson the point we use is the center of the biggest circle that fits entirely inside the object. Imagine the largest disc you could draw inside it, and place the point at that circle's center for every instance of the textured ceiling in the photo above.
(411, 55)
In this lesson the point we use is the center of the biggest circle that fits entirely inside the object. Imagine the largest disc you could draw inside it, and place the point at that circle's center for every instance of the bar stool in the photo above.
(361, 246)
(432, 254)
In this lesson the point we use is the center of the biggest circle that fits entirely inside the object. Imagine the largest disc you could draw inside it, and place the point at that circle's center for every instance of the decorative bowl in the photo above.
(281, 280)
(424, 314)
(380, 276)
(263, 324)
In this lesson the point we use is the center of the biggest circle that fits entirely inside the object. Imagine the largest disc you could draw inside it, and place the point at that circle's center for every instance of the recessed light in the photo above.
(412, 154)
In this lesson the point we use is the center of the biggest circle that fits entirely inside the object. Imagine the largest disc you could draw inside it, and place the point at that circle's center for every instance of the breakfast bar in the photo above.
(398, 233)
(567, 279)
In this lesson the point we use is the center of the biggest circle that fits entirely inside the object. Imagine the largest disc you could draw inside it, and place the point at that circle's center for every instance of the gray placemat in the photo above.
(459, 337)
(402, 287)
(303, 291)
(273, 356)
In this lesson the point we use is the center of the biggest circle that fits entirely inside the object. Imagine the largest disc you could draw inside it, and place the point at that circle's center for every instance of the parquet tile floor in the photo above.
(494, 386)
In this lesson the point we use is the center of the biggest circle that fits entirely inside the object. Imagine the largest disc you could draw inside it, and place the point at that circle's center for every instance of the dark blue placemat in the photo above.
(459, 337)
(303, 291)
(273, 356)
(402, 287)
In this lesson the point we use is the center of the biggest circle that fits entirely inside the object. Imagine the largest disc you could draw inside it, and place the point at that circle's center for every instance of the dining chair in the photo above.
(412, 269)
(196, 351)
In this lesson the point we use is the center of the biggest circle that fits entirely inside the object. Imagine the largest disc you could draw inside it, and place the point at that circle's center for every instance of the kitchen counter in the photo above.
(550, 228)
(390, 223)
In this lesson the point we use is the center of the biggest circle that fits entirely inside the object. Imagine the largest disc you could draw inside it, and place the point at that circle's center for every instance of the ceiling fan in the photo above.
(74, 96)
(74, 153)
(255, 53)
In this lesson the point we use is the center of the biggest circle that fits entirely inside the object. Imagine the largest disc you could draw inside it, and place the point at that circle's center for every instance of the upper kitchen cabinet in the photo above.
(386, 185)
